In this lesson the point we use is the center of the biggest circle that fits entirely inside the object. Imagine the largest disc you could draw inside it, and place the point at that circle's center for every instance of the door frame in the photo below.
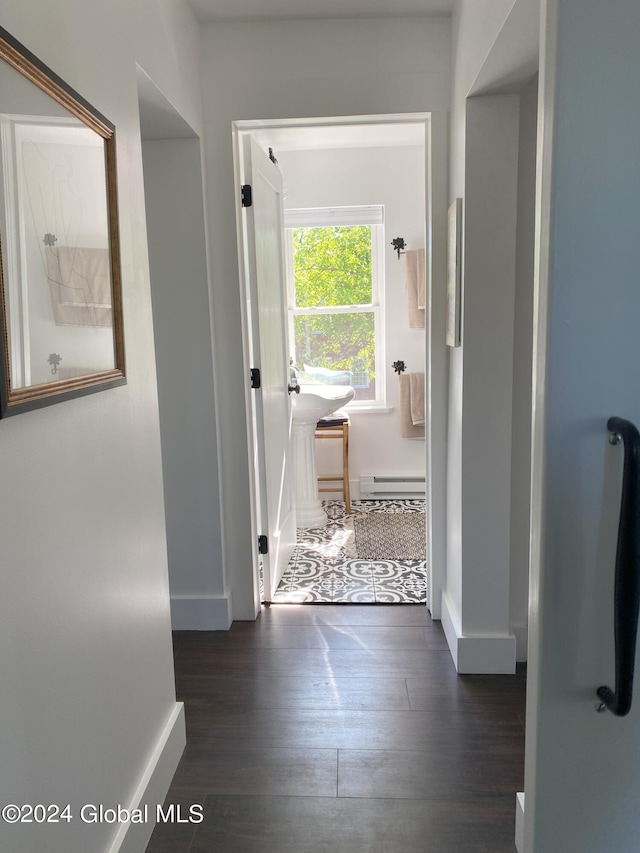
(547, 84)
(436, 192)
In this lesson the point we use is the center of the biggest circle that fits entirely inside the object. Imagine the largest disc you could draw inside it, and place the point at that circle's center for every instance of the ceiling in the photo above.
(268, 10)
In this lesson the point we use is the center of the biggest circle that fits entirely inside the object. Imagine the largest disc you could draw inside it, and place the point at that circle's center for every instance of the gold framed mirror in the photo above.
(60, 282)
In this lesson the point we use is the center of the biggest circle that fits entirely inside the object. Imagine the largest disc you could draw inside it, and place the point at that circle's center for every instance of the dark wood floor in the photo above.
(342, 729)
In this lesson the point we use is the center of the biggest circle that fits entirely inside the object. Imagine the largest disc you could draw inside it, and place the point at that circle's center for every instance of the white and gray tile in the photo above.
(320, 571)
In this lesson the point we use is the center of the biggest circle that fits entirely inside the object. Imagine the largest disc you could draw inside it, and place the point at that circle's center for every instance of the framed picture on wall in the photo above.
(454, 227)
(61, 328)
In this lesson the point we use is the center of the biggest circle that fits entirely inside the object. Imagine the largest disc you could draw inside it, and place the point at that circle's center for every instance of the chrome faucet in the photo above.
(294, 385)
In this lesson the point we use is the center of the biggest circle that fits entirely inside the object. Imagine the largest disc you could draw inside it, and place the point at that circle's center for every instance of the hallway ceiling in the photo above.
(267, 10)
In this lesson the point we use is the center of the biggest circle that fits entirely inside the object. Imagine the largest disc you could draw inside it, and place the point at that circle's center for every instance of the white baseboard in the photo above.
(520, 822)
(473, 654)
(521, 632)
(154, 784)
(337, 494)
(200, 613)
(450, 625)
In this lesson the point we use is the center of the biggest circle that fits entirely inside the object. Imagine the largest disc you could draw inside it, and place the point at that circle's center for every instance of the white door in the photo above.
(267, 313)
(582, 778)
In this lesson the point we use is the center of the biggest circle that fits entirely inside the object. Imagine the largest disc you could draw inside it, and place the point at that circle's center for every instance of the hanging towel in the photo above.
(416, 287)
(416, 388)
(79, 285)
(407, 428)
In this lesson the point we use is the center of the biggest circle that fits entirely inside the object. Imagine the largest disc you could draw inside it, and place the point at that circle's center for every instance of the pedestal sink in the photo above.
(312, 403)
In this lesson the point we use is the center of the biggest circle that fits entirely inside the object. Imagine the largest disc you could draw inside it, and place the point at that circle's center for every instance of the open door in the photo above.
(582, 783)
(263, 238)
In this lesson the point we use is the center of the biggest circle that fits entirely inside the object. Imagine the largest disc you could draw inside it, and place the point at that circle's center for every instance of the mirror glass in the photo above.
(58, 231)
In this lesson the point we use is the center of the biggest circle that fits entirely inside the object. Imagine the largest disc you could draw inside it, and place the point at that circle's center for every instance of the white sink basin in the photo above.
(317, 401)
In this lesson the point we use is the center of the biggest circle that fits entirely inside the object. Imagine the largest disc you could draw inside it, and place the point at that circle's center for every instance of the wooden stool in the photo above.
(337, 426)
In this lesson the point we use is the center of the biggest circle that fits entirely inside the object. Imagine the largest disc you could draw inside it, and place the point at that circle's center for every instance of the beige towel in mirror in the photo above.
(416, 287)
(79, 285)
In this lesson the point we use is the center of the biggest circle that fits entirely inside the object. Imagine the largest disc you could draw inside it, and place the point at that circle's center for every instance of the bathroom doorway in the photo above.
(330, 167)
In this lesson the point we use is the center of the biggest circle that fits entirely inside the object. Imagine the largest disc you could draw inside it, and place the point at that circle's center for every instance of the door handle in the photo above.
(293, 388)
(627, 577)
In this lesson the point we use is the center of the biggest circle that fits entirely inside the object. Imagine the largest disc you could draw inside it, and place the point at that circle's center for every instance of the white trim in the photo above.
(246, 607)
(549, 13)
(154, 783)
(487, 655)
(475, 654)
(379, 293)
(520, 822)
(201, 612)
(436, 367)
(320, 310)
(520, 631)
(15, 265)
(332, 121)
(451, 625)
(319, 217)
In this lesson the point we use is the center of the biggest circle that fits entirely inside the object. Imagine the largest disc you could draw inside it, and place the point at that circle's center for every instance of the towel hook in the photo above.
(399, 367)
(399, 244)
(54, 360)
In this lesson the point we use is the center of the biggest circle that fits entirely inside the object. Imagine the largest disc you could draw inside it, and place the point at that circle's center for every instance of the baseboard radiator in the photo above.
(379, 487)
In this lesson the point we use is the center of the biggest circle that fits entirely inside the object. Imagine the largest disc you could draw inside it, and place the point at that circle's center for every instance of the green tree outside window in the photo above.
(332, 267)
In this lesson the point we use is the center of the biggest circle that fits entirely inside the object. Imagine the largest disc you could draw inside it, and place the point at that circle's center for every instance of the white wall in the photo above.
(395, 178)
(180, 297)
(486, 585)
(487, 376)
(475, 25)
(86, 660)
(281, 70)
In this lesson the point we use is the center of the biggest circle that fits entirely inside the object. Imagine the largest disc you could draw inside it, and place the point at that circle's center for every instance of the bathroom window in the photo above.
(335, 287)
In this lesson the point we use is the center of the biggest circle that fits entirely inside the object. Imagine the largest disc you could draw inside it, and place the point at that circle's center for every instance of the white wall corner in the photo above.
(480, 654)
(520, 631)
(520, 822)
(154, 784)
(201, 612)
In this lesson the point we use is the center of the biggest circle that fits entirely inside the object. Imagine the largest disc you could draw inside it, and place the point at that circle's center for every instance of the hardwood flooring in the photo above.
(342, 729)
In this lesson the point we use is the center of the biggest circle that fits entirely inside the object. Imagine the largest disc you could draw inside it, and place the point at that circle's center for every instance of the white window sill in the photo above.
(368, 410)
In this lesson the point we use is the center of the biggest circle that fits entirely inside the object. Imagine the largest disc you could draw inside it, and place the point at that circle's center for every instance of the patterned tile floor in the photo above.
(319, 570)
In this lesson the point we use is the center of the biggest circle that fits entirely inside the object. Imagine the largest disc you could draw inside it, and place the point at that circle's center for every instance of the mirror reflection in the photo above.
(57, 253)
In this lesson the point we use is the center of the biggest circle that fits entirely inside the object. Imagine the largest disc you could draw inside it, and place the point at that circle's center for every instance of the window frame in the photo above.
(323, 217)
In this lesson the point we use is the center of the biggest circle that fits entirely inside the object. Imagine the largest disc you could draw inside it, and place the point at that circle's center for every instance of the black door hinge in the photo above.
(263, 544)
(247, 196)
(255, 377)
